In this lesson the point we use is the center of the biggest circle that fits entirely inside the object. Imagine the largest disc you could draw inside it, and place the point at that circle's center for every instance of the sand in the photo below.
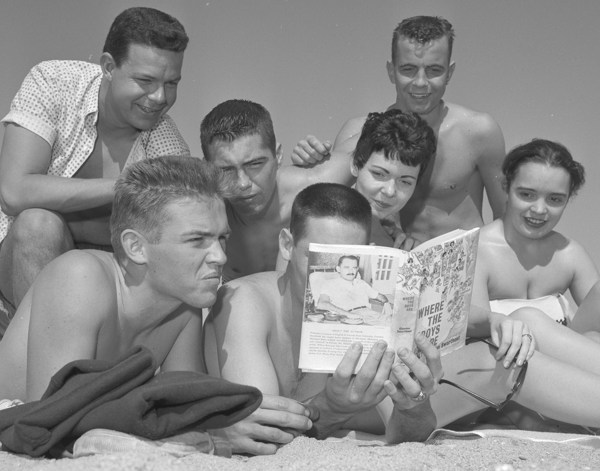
(498, 453)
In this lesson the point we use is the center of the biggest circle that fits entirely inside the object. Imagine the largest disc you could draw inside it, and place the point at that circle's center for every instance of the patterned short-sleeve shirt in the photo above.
(58, 101)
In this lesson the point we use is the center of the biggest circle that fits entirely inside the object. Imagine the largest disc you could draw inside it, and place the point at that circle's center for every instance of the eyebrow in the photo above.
(202, 233)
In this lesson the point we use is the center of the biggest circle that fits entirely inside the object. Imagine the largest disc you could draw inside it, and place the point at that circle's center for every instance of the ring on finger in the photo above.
(529, 336)
(420, 398)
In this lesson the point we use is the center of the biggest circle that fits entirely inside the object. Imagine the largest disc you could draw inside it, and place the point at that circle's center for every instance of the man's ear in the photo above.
(286, 244)
(134, 246)
(108, 65)
(354, 170)
(450, 72)
(279, 153)
(389, 65)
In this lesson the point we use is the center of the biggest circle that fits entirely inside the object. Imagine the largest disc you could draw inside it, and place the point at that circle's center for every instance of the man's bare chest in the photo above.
(107, 159)
(253, 248)
(450, 172)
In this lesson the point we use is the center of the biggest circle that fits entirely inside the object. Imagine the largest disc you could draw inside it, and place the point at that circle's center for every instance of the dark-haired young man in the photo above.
(256, 322)
(72, 128)
(470, 145)
(238, 136)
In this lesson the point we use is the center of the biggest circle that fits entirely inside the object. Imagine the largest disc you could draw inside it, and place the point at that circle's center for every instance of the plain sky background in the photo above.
(534, 65)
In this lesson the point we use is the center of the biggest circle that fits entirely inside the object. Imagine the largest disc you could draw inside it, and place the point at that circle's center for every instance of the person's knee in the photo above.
(530, 315)
(40, 227)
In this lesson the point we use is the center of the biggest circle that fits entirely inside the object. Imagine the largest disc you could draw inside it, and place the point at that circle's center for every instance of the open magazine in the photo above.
(364, 293)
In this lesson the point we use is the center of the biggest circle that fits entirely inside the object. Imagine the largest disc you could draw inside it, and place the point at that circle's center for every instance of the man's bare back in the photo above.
(104, 320)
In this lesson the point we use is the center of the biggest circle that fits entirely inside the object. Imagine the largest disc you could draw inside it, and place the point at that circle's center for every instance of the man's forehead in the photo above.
(241, 148)
(334, 230)
(420, 48)
(347, 261)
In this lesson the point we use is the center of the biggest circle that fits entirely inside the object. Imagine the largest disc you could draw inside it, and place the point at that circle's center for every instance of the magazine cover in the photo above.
(370, 293)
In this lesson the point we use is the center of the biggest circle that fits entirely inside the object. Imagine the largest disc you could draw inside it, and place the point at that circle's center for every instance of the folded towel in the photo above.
(124, 396)
(172, 401)
(77, 388)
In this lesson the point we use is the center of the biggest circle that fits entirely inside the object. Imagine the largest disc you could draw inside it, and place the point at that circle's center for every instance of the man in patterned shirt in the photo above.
(72, 128)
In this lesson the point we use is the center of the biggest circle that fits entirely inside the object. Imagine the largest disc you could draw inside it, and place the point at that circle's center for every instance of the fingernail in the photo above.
(506, 364)
(403, 352)
(356, 346)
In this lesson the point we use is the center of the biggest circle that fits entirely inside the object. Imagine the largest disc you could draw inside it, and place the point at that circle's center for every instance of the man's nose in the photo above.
(420, 79)
(158, 95)
(243, 180)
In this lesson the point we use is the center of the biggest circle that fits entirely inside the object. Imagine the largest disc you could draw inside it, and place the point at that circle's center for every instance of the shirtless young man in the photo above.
(238, 137)
(257, 321)
(72, 128)
(470, 145)
(168, 229)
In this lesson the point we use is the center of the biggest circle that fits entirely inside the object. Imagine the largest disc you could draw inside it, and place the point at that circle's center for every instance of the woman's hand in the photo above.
(514, 339)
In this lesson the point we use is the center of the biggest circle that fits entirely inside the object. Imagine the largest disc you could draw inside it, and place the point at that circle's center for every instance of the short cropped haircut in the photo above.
(329, 200)
(400, 136)
(423, 29)
(147, 27)
(147, 187)
(546, 152)
(233, 119)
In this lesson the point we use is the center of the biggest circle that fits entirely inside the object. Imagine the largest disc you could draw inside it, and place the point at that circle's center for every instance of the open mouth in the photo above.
(534, 222)
(147, 110)
(420, 96)
(382, 204)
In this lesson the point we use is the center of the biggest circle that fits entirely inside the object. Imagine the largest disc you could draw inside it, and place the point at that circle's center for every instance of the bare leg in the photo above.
(560, 342)
(556, 389)
(36, 237)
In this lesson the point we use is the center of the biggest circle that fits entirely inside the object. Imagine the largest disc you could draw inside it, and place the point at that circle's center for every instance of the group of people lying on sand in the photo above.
(175, 234)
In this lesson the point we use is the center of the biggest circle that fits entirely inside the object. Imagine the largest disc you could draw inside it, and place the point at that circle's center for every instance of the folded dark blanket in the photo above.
(123, 396)
(173, 401)
(76, 389)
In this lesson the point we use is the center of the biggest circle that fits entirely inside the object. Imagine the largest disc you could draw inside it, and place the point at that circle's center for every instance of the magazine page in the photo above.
(350, 297)
(445, 300)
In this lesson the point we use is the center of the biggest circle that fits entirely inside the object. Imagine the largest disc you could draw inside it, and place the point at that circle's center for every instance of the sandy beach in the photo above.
(497, 451)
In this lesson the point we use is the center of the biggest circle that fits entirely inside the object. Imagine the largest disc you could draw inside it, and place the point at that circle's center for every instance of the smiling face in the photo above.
(537, 197)
(143, 88)
(420, 73)
(387, 184)
(186, 263)
(253, 168)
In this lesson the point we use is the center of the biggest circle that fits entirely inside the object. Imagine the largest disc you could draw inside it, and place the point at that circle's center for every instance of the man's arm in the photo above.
(69, 301)
(324, 303)
(412, 420)
(187, 353)
(24, 182)
(491, 152)
(240, 320)
(310, 165)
